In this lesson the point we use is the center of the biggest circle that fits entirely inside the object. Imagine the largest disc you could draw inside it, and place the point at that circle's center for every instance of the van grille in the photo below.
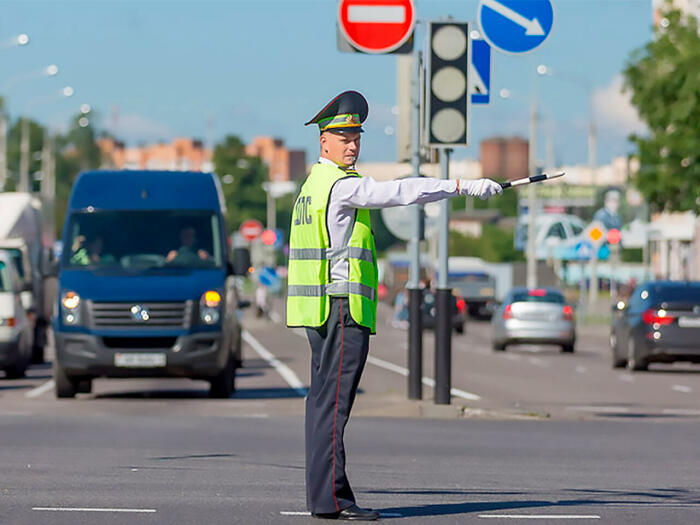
(142, 315)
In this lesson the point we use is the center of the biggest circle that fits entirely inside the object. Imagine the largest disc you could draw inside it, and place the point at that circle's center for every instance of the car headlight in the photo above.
(210, 307)
(70, 308)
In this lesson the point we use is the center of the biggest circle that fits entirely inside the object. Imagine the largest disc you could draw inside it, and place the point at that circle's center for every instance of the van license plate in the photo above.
(137, 360)
(689, 322)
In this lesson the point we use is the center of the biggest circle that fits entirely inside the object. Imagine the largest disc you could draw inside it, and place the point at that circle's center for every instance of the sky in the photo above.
(155, 70)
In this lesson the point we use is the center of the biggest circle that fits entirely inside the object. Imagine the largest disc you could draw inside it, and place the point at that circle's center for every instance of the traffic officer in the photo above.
(332, 288)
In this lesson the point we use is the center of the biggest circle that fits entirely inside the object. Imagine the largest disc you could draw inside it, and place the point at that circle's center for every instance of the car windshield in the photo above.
(143, 240)
(537, 295)
(4, 278)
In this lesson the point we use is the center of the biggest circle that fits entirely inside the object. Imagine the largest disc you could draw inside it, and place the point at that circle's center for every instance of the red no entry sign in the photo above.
(251, 229)
(377, 26)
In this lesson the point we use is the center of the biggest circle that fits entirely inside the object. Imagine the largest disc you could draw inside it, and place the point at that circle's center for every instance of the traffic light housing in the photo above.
(447, 85)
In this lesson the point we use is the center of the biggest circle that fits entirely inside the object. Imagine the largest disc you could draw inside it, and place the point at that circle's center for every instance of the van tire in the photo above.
(223, 385)
(16, 371)
(65, 386)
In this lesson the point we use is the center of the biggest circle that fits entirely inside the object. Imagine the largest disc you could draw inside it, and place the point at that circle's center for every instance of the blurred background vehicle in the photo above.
(146, 282)
(551, 229)
(659, 323)
(24, 237)
(459, 310)
(15, 327)
(534, 315)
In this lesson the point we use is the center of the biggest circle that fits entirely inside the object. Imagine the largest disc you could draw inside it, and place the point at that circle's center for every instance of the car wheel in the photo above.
(616, 361)
(635, 361)
(498, 346)
(224, 384)
(66, 387)
(84, 386)
(568, 349)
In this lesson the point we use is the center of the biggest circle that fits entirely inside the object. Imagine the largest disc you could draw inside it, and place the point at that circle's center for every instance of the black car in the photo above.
(429, 310)
(660, 323)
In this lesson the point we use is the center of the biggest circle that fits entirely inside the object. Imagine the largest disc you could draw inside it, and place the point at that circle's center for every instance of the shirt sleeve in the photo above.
(365, 192)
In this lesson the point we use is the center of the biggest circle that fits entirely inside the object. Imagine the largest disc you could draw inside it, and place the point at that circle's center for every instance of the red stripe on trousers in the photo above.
(337, 395)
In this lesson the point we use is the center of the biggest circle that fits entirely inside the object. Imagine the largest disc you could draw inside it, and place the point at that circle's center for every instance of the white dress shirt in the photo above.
(364, 192)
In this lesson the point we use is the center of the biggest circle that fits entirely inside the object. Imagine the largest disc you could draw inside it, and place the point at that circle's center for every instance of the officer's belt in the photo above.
(336, 288)
(332, 254)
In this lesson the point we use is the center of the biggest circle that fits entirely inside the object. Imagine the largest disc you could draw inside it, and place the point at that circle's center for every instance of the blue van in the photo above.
(146, 283)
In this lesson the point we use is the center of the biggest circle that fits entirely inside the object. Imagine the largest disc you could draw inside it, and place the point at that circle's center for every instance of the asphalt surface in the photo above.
(542, 435)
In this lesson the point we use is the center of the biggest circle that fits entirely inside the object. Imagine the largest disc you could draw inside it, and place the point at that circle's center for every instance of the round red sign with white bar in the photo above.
(376, 26)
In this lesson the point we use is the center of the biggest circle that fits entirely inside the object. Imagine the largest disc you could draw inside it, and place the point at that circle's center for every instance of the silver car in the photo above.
(534, 315)
(15, 329)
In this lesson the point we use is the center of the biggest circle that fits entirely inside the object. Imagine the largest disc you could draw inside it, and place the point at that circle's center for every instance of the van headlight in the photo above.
(70, 308)
(210, 307)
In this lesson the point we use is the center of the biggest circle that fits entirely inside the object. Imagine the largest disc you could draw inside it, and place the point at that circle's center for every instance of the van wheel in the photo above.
(223, 385)
(16, 371)
(568, 349)
(460, 328)
(635, 361)
(65, 386)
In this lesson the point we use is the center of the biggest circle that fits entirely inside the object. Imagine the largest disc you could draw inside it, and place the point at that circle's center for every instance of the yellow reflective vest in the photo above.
(310, 257)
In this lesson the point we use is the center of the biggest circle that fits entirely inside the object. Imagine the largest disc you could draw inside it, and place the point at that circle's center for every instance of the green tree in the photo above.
(664, 78)
(243, 192)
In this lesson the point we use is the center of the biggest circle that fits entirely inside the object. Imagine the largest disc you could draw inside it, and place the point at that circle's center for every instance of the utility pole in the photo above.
(24, 157)
(531, 251)
(3, 148)
(415, 294)
(443, 299)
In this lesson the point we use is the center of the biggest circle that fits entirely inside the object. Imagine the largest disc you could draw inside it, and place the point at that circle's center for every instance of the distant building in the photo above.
(283, 164)
(504, 157)
(182, 154)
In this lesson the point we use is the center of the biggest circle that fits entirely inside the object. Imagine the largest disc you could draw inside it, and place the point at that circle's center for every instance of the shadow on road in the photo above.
(674, 496)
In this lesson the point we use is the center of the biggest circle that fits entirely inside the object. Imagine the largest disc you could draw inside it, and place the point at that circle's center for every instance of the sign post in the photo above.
(596, 235)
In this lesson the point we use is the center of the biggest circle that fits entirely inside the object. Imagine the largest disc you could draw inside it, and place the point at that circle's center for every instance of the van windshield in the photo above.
(143, 240)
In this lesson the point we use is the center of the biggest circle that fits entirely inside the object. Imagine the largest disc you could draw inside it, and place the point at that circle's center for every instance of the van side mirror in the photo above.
(241, 261)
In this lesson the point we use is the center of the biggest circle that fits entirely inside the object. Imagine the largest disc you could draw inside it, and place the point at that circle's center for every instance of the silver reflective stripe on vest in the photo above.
(338, 288)
(319, 254)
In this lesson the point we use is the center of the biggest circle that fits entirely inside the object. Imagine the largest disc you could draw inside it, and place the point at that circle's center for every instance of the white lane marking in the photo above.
(581, 369)
(681, 411)
(41, 389)
(538, 362)
(87, 509)
(682, 388)
(542, 516)
(428, 381)
(627, 377)
(512, 357)
(301, 513)
(287, 373)
(275, 317)
(377, 14)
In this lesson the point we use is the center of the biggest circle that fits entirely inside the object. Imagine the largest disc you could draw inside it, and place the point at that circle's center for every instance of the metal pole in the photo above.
(531, 253)
(271, 211)
(443, 300)
(415, 318)
(3, 149)
(24, 158)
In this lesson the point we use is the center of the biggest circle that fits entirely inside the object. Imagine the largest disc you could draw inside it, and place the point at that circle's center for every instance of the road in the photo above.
(545, 435)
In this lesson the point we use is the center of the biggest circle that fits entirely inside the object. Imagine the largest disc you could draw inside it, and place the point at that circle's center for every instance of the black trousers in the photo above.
(338, 355)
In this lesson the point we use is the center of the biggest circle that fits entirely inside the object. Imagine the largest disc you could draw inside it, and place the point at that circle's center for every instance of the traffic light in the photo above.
(447, 100)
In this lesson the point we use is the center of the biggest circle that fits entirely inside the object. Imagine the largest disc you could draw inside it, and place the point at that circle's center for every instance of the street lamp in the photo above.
(20, 40)
(23, 185)
(544, 70)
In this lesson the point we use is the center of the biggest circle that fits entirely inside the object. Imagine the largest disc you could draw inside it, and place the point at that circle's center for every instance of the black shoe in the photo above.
(353, 513)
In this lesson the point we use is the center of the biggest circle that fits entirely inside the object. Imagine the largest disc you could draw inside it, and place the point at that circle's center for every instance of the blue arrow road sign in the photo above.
(481, 62)
(516, 26)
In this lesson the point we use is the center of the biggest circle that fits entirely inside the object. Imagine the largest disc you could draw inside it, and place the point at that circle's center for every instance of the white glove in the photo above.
(482, 188)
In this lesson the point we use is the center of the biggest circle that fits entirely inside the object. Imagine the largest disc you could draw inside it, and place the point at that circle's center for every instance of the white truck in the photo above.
(26, 236)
